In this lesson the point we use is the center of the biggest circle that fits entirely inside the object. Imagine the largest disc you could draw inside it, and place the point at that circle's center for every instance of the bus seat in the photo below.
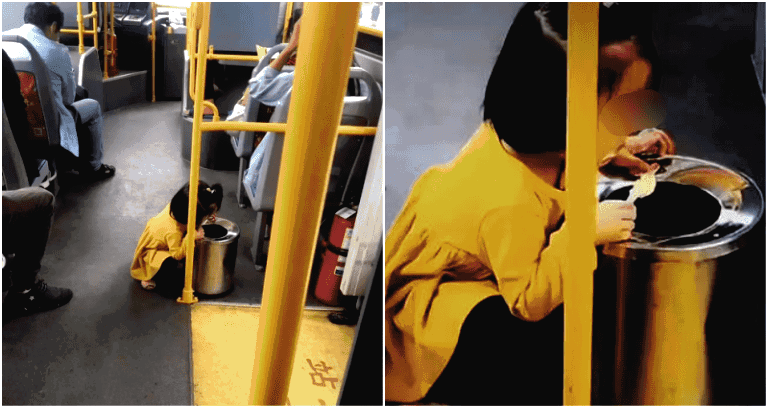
(14, 174)
(243, 142)
(38, 95)
(88, 73)
(36, 87)
(351, 153)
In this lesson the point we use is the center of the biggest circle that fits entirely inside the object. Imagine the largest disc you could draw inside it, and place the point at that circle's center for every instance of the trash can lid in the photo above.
(699, 210)
(221, 230)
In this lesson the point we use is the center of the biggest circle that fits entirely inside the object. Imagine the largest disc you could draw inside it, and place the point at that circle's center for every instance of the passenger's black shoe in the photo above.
(39, 299)
(104, 171)
(343, 318)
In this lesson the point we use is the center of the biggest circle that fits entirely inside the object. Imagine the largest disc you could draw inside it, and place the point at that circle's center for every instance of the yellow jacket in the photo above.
(479, 226)
(162, 237)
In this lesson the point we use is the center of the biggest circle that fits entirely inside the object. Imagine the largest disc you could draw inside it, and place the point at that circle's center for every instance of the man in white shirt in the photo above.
(43, 22)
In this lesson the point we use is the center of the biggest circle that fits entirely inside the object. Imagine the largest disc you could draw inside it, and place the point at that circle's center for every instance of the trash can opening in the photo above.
(673, 210)
(214, 231)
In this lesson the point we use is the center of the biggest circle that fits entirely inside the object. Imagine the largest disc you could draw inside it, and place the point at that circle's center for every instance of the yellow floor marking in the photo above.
(223, 350)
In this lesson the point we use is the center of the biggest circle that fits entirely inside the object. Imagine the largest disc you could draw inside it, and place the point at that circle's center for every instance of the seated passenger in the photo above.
(43, 22)
(270, 85)
(27, 216)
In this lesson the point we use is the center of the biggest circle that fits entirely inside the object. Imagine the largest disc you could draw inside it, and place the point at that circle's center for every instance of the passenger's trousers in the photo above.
(87, 114)
(27, 220)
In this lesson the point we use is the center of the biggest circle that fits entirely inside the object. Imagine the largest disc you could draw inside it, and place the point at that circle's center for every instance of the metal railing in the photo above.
(81, 31)
(581, 171)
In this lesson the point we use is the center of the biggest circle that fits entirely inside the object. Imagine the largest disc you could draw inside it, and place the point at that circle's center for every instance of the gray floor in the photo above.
(115, 343)
(439, 58)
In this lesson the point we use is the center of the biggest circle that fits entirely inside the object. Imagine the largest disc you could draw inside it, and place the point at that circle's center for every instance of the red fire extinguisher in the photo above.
(328, 288)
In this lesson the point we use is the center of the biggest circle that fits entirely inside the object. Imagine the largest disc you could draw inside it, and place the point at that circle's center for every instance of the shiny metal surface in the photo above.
(742, 205)
(663, 287)
(215, 259)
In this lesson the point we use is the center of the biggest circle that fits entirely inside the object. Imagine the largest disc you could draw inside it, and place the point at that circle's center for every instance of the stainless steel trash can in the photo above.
(215, 258)
(663, 279)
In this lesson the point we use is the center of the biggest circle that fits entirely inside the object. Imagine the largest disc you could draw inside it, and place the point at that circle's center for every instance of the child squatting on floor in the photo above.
(160, 254)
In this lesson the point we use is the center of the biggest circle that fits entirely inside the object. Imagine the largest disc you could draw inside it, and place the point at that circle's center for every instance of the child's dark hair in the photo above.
(208, 201)
(525, 99)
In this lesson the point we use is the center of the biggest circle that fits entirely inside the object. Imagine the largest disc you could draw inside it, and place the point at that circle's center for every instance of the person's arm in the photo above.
(529, 263)
(285, 55)
(649, 141)
(269, 86)
(62, 66)
(176, 245)
(527, 268)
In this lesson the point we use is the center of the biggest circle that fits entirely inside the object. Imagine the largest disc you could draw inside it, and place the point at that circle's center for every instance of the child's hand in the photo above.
(200, 234)
(615, 221)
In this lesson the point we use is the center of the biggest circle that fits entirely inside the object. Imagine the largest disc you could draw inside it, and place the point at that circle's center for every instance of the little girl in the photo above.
(160, 254)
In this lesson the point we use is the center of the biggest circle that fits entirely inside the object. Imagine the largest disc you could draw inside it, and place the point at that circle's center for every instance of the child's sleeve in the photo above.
(528, 265)
(176, 245)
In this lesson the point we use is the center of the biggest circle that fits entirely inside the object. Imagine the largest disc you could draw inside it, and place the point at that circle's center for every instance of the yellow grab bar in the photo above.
(288, 14)
(313, 121)
(204, 12)
(371, 31)
(153, 37)
(279, 128)
(581, 172)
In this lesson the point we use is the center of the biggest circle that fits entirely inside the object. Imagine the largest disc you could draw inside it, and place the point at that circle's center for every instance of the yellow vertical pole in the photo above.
(154, 42)
(203, 22)
(192, 29)
(310, 140)
(95, 24)
(112, 32)
(80, 27)
(288, 13)
(105, 29)
(581, 172)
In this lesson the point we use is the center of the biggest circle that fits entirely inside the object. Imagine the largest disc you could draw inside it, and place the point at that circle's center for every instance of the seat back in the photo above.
(358, 111)
(88, 73)
(14, 174)
(36, 88)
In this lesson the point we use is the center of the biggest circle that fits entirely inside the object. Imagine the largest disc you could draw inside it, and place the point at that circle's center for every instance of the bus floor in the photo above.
(116, 343)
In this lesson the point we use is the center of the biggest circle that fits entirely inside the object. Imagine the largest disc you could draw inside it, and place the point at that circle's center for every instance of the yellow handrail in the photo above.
(371, 31)
(192, 38)
(171, 6)
(112, 32)
(581, 172)
(80, 27)
(203, 24)
(153, 38)
(313, 121)
(288, 15)
(232, 57)
(95, 22)
(106, 53)
(279, 127)
(81, 31)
